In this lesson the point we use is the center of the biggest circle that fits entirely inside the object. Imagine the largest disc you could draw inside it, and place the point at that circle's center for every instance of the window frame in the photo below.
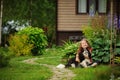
(87, 7)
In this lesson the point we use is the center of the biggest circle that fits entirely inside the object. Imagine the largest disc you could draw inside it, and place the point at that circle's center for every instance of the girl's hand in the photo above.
(77, 59)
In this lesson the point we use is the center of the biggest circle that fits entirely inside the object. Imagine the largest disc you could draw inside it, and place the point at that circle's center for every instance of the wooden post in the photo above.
(111, 29)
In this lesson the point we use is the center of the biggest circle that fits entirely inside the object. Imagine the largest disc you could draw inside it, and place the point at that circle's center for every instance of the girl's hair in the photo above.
(80, 49)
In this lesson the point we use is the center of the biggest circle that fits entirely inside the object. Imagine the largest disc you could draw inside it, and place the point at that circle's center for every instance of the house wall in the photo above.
(68, 20)
(69, 35)
(69, 23)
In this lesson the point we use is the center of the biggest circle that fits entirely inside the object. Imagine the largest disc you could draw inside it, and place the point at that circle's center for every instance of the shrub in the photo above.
(100, 42)
(99, 37)
(89, 33)
(117, 60)
(36, 37)
(99, 22)
(19, 45)
(117, 49)
(69, 49)
(4, 58)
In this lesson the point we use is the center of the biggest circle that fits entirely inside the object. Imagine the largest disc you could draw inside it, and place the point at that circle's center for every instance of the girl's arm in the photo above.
(90, 50)
(77, 57)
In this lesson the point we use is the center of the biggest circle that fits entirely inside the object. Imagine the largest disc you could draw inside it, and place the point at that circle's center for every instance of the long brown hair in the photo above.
(80, 49)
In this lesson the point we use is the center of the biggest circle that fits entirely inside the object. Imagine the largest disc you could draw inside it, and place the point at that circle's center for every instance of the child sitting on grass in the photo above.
(83, 57)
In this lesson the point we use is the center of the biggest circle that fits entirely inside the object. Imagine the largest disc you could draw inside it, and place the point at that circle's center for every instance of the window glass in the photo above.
(92, 7)
(82, 6)
(102, 6)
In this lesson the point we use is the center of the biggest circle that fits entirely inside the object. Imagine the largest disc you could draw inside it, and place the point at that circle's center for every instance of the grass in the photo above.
(51, 57)
(22, 71)
(101, 72)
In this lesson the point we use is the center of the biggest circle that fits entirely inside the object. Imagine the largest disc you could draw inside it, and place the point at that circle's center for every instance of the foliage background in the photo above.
(36, 37)
(40, 13)
(37, 11)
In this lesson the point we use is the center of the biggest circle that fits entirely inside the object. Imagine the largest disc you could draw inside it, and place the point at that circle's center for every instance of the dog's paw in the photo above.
(73, 65)
(61, 66)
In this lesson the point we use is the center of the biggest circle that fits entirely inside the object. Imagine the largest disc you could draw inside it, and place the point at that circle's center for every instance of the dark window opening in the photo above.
(92, 6)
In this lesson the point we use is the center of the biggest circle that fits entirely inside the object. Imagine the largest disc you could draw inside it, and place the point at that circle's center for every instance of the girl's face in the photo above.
(84, 44)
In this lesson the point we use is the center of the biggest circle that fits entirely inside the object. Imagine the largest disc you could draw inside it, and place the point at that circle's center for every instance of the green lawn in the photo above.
(101, 72)
(17, 70)
(51, 57)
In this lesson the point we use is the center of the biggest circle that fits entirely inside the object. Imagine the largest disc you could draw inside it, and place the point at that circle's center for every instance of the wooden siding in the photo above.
(69, 23)
(68, 20)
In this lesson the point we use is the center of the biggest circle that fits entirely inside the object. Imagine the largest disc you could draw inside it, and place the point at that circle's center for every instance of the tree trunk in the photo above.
(30, 13)
(1, 11)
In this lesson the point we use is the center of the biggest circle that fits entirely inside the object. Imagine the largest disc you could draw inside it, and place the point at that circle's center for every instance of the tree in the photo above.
(39, 13)
(1, 11)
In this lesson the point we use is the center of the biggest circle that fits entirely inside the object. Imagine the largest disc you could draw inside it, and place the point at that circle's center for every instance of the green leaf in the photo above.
(118, 44)
(117, 50)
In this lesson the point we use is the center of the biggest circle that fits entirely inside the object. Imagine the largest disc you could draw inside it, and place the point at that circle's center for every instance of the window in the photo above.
(92, 6)
(82, 6)
(102, 6)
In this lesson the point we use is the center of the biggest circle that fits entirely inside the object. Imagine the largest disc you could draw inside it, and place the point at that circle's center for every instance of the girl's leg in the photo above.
(94, 64)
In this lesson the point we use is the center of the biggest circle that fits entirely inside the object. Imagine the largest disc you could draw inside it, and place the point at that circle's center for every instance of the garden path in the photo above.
(58, 74)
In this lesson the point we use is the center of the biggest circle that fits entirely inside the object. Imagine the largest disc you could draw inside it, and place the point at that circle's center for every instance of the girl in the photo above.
(83, 57)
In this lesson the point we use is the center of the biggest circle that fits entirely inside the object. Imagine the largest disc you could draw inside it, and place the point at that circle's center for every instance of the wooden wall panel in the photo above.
(68, 20)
